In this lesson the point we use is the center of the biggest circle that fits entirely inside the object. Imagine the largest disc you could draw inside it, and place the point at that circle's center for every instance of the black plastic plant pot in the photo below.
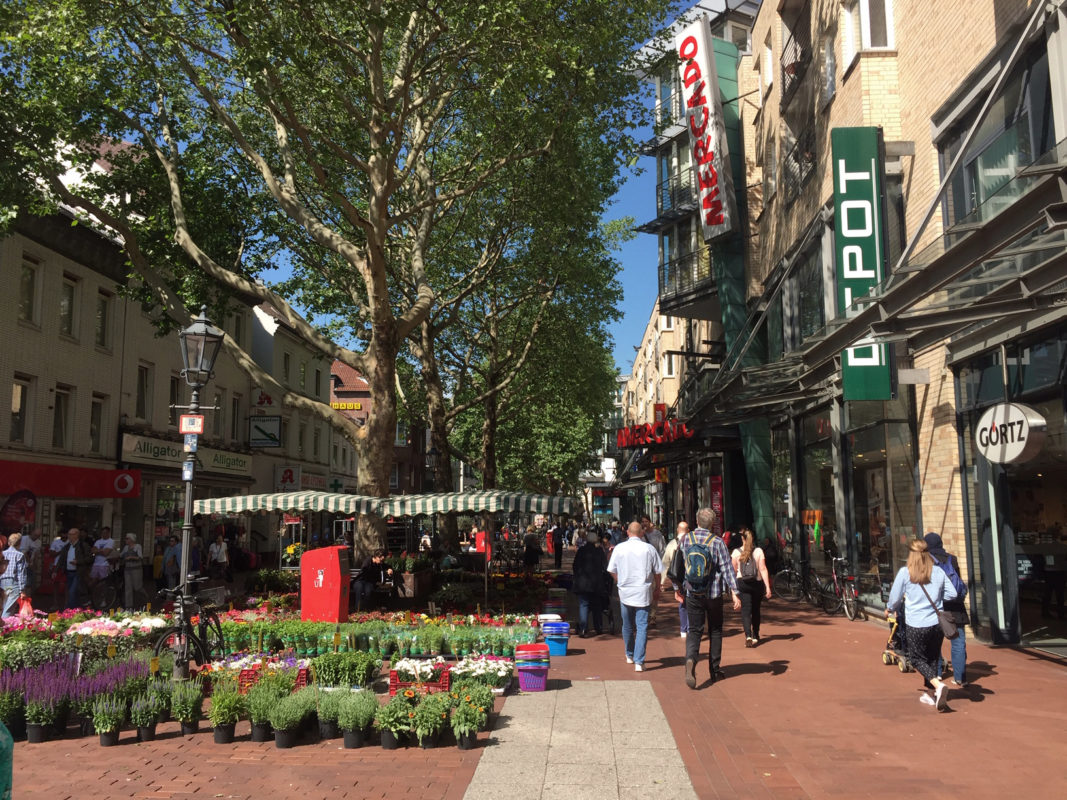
(353, 739)
(146, 734)
(189, 728)
(328, 729)
(467, 741)
(262, 732)
(429, 742)
(390, 741)
(37, 734)
(109, 739)
(224, 733)
(283, 740)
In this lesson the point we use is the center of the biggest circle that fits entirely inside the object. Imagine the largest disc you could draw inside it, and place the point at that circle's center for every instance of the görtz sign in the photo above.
(1010, 433)
(707, 133)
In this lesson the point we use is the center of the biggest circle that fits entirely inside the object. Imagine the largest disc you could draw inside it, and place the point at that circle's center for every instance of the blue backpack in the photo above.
(698, 567)
(953, 577)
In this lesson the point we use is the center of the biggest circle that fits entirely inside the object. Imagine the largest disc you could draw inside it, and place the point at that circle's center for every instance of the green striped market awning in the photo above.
(399, 506)
(289, 501)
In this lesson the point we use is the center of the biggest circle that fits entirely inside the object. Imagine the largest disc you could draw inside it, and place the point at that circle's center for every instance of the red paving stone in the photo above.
(811, 713)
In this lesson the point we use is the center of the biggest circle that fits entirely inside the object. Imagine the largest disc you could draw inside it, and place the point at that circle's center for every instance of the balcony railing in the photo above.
(684, 273)
(799, 163)
(674, 195)
(796, 54)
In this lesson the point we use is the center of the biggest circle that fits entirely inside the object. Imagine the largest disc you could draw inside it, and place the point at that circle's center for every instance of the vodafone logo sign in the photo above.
(124, 484)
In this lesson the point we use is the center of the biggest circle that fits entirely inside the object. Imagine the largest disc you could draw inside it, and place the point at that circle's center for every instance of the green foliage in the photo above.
(143, 711)
(477, 694)
(431, 714)
(262, 698)
(468, 718)
(395, 716)
(346, 669)
(357, 710)
(12, 708)
(330, 704)
(108, 713)
(289, 713)
(277, 581)
(187, 701)
(41, 713)
(159, 692)
(227, 706)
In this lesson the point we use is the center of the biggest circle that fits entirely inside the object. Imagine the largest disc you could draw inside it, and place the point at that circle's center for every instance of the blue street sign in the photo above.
(191, 440)
(187, 471)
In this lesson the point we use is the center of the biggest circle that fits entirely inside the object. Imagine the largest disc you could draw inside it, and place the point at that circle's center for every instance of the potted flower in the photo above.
(143, 715)
(393, 720)
(187, 705)
(386, 645)
(431, 714)
(286, 717)
(355, 715)
(262, 698)
(467, 719)
(329, 710)
(227, 706)
(159, 691)
(40, 716)
(108, 713)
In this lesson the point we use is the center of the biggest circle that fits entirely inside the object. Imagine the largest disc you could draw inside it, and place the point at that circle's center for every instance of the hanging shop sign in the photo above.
(707, 132)
(1010, 433)
(265, 431)
(660, 432)
(171, 455)
(859, 245)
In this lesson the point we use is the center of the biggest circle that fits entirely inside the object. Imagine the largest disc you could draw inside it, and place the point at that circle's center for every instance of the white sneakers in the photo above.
(941, 697)
(629, 660)
(926, 699)
(683, 634)
(639, 667)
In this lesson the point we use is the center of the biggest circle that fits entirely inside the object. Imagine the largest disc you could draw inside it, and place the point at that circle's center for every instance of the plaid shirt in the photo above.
(16, 574)
(724, 571)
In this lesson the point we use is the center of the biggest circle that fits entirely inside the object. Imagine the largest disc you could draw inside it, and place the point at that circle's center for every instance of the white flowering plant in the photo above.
(485, 670)
(419, 670)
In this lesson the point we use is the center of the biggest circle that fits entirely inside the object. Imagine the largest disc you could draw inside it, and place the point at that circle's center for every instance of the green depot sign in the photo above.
(859, 248)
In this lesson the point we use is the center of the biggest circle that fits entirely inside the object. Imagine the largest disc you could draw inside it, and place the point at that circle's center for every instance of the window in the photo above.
(739, 35)
(811, 297)
(876, 24)
(394, 478)
(850, 23)
(401, 433)
(101, 332)
(667, 370)
(283, 434)
(318, 382)
(316, 441)
(96, 424)
(67, 294)
(218, 423)
(175, 399)
(20, 411)
(235, 417)
(767, 73)
(238, 329)
(28, 289)
(770, 170)
(144, 392)
(667, 323)
(829, 70)
(287, 363)
(303, 374)
(302, 432)
(335, 461)
(61, 418)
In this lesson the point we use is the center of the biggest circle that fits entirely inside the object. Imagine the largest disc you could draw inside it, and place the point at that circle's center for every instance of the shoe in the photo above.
(629, 660)
(926, 699)
(690, 673)
(639, 667)
(941, 697)
(683, 634)
(600, 633)
(717, 675)
(750, 642)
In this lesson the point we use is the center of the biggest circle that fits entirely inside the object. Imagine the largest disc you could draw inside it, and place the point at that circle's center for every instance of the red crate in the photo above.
(429, 687)
(246, 679)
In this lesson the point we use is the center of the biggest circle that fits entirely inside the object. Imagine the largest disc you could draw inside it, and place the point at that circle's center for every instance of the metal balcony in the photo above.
(675, 196)
(796, 54)
(799, 163)
(684, 274)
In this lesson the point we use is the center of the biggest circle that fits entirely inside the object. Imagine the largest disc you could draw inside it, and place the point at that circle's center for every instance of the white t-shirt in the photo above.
(637, 565)
(57, 544)
(757, 556)
(217, 552)
(103, 544)
(31, 549)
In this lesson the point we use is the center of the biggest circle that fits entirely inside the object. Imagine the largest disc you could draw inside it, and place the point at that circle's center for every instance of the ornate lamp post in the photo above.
(200, 344)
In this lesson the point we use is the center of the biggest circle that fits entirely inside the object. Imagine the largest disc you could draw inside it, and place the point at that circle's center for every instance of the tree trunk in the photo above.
(437, 417)
(489, 429)
(375, 451)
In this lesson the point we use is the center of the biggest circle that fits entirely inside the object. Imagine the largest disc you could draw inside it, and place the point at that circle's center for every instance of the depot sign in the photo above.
(669, 430)
(1010, 432)
(707, 133)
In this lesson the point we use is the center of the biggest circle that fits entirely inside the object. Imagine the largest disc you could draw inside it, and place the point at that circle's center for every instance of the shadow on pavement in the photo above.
(780, 637)
(776, 667)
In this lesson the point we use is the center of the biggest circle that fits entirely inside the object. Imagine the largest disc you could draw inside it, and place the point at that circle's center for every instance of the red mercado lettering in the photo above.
(652, 433)
(703, 149)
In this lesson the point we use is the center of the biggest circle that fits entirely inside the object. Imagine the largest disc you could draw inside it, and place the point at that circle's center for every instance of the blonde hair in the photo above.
(920, 562)
(748, 544)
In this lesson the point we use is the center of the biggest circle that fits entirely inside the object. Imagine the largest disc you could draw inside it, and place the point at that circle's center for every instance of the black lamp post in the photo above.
(200, 344)
(433, 458)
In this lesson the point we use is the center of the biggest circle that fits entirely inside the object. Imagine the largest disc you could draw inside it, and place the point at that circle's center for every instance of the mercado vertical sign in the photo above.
(859, 246)
(707, 131)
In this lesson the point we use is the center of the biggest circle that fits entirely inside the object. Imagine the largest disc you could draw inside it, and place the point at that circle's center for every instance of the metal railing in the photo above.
(796, 54)
(799, 163)
(674, 194)
(684, 273)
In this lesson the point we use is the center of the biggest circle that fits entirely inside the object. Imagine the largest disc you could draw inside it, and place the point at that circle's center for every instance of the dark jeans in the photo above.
(361, 591)
(752, 593)
(701, 608)
(559, 555)
(590, 603)
(74, 587)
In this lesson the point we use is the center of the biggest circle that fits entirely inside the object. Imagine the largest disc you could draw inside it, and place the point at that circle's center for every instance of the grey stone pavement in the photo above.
(595, 740)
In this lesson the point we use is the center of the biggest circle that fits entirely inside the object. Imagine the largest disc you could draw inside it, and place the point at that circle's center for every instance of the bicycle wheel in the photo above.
(184, 647)
(850, 601)
(787, 584)
(831, 601)
(104, 595)
(211, 634)
(813, 589)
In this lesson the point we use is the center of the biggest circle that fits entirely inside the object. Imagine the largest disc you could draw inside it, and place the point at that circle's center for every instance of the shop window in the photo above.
(96, 424)
(28, 280)
(61, 418)
(143, 399)
(19, 432)
(102, 323)
(67, 296)
(818, 515)
(1042, 365)
(782, 488)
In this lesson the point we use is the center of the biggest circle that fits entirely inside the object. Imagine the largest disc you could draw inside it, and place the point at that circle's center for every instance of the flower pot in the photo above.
(17, 727)
(429, 742)
(466, 741)
(390, 740)
(353, 739)
(109, 739)
(85, 727)
(189, 728)
(261, 732)
(163, 716)
(328, 729)
(224, 733)
(146, 734)
(283, 740)
(36, 733)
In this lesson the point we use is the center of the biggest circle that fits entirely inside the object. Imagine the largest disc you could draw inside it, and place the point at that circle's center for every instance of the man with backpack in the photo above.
(636, 567)
(703, 569)
(955, 608)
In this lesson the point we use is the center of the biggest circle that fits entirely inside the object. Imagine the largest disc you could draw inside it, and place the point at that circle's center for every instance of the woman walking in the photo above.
(590, 567)
(922, 590)
(753, 583)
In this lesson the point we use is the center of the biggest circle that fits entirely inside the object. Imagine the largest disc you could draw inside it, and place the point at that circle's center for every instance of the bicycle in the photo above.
(104, 592)
(840, 590)
(185, 641)
(792, 584)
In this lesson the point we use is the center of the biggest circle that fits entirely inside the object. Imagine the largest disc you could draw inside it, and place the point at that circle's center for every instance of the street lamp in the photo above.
(433, 458)
(200, 344)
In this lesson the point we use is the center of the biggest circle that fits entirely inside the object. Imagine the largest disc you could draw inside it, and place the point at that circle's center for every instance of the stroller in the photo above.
(894, 652)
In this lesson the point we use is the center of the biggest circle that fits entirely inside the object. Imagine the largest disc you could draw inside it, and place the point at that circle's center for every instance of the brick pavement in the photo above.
(811, 713)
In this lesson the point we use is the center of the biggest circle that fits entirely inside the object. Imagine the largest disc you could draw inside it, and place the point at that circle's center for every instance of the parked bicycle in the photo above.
(792, 584)
(198, 635)
(840, 590)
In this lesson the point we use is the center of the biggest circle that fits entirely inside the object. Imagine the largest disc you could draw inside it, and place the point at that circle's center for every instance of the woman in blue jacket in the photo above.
(921, 588)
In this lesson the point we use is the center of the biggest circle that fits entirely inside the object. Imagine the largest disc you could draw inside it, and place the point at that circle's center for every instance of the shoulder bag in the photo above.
(948, 626)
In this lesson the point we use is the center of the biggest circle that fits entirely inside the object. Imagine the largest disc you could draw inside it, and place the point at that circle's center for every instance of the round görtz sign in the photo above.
(1010, 432)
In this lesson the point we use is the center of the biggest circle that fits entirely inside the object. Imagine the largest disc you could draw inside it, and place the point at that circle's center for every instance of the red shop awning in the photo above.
(49, 480)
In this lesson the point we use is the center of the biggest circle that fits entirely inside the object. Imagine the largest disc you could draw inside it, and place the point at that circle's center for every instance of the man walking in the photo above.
(668, 559)
(75, 558)
(636, 566)
(704, 570)
(15, 580)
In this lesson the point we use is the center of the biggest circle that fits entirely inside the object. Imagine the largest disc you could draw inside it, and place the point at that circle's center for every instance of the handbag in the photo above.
(948, 625)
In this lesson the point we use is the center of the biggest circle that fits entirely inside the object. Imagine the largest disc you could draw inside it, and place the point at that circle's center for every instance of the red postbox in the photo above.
(324, 585)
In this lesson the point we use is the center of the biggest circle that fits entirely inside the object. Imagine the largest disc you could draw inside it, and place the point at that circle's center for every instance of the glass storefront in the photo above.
(782, 489)
(818, 512)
